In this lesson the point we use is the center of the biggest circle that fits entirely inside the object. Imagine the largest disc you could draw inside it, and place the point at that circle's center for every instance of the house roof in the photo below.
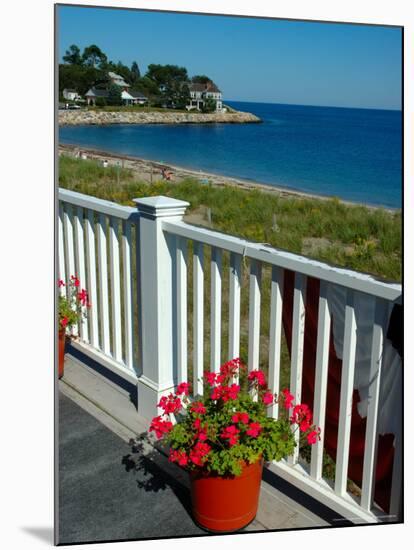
(70, 90)
(95, 92)
(137, 95)
(207, 87)
(118, 79)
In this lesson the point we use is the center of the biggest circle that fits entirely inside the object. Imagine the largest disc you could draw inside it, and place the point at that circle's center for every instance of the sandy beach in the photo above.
(151, 171)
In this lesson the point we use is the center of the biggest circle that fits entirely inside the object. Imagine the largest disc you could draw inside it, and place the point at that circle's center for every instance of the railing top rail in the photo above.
(99, 205)
(345, 277)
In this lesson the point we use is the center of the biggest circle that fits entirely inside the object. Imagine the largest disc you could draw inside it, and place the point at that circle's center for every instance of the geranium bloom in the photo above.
(170, 404)
(178, 456)
(75, 280)
(197, 423)
(183, 388)
(61, 283)
(160, 426)
(304, 425)
(312, 437)
(254, 429)
(64, 321)
(83, 297)
(240, 417)
(199, 452)
(231, 433)
(198, 407)
(230, 368)
(301, 413)
(216, 393)
(230, 392)
(267, 398)
(288, 398)
(210, 378)
(257, 375)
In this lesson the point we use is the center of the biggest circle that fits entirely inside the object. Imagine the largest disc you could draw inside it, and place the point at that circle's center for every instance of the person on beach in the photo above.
(166, 175)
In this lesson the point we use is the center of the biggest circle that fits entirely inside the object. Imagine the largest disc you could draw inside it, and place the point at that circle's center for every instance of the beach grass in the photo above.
(352, 236)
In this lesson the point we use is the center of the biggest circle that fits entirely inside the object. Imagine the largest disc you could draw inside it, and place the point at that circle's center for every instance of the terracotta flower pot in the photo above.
(62, 340)
(226, 503)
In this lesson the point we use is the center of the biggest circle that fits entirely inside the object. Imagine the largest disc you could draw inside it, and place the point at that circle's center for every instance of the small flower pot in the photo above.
(224, 504)
(61, 341)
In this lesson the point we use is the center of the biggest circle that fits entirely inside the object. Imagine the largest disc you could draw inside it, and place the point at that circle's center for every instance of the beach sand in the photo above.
(151, 171)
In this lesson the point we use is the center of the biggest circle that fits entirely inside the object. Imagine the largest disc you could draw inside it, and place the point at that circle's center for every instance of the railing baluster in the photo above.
(181, 318)
(298, 332)
(103, 283)
(321, 379)
(80, 261)
(216, 260)
(114, 264)
(345, 408)
(371, 435)
(276, 303)
(396, 484)
(61, 252)
(70, 249)
(254, 314)
(234, 306)
(198, 315)
(128, 297)
(91, 285)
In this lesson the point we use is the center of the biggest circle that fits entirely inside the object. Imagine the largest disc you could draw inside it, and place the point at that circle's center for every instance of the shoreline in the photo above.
(150, 171)
(102, 117)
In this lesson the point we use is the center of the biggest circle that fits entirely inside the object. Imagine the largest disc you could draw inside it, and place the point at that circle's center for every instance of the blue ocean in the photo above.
(353, 154)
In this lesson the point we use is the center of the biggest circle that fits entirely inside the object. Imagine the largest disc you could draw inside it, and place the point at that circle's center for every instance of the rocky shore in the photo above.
(81, 117)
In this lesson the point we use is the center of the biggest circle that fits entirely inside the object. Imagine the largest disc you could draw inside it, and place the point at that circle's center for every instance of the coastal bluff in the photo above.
(81, 117)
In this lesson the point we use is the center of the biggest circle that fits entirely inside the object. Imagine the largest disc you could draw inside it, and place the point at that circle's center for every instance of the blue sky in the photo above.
(263, 60)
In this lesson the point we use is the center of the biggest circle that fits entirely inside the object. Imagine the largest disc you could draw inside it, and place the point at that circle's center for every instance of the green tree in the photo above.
(201, 79)
(73, 55)
(79, 77)
(209, 105)
(114, 95)
(166, 76)
(94, 57)
(135, 72)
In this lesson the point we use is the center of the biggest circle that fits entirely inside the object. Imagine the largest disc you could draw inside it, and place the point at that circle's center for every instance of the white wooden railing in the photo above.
(95, 234)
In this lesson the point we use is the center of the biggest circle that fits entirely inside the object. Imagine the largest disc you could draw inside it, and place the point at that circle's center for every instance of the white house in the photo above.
(93, 93)
(133, 98)
(200, 92)
(71, 94)
(118, 80)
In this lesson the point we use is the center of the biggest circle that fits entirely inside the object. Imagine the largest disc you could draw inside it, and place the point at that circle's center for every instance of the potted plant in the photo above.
(72, 309)
(223, 437)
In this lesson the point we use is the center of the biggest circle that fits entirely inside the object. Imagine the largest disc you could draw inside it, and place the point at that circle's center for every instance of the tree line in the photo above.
(164, 85)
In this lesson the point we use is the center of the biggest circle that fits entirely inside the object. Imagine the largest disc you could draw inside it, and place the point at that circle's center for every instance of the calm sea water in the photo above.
(354, 154)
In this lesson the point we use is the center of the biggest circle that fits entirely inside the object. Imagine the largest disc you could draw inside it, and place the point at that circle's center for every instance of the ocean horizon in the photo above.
(351, 153)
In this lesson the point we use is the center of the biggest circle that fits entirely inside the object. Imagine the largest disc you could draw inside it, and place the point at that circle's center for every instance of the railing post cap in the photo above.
(161, 206)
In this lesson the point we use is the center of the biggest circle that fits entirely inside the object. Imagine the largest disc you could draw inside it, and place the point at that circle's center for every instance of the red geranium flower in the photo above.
(230, 392)
(160, 426)
(288, 398)
(198, 407)
(240, 417)
(183, 388)
(75, 280)
(64, 321)
(61, 283)
(231, 433)
(267, 398)
(301, 413)
(178, 456)
(199, 453)
(210, 378)
(254, 429)
(170, 404)
(257, 375)
(313, 437)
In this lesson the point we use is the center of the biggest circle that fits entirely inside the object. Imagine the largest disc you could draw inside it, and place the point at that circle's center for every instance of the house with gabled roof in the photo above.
(118, 80)
(200, 92)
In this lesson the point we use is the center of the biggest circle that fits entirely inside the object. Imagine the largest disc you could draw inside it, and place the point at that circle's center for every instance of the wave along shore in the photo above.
(150, 171)
(81, 117)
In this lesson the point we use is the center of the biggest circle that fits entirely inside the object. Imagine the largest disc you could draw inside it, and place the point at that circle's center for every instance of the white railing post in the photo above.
(156, 257)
